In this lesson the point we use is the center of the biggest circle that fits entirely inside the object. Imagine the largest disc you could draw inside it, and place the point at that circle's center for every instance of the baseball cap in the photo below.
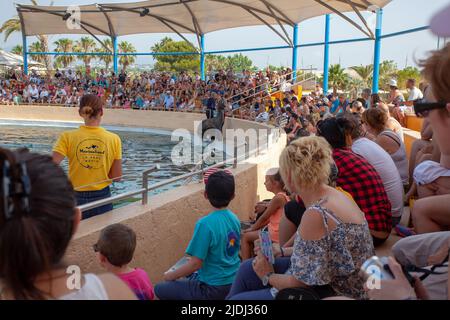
(440, 23)
(211, 171)
(393, 83)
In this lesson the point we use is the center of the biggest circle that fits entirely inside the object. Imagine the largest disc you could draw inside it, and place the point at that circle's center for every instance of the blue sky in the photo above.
(398, 15)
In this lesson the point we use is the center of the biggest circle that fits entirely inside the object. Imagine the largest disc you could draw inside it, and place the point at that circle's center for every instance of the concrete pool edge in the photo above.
(74, 125)
(155, 120)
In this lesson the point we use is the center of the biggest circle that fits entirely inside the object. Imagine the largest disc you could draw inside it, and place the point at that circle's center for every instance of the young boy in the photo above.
(213, 250)
(115, 250)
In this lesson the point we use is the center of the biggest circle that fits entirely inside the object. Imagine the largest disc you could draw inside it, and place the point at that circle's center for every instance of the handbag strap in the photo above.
(426, 272)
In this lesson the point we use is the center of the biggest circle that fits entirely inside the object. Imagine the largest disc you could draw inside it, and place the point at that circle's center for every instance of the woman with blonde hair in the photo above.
(332, 241)
(94, 156)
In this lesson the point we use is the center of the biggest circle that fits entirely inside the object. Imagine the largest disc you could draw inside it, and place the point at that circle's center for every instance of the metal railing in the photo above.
(146, 188)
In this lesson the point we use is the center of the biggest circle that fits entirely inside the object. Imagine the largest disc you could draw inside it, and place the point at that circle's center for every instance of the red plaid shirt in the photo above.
(362, 181)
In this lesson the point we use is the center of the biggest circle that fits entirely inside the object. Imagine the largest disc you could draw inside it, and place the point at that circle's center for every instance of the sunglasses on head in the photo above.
(423, 108)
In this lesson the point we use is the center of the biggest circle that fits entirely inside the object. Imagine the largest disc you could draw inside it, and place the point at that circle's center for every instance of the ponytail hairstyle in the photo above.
(91, 106)
(37, 212)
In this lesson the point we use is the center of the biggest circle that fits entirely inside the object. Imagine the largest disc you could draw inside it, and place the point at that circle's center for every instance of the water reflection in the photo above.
(140, 151)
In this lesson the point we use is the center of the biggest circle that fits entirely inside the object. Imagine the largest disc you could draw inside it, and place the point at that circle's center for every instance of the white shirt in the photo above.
(415, 94)
(34, 92)
(262, 117)
(385, 166)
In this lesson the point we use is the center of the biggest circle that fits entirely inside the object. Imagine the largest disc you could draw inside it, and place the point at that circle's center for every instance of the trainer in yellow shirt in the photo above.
(94, 156)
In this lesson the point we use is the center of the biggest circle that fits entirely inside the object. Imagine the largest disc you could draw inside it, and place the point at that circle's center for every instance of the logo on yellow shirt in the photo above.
(91, 153)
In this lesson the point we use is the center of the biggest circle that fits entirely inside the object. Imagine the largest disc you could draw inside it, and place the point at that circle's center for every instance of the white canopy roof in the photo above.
(187, 16)
(12, 60)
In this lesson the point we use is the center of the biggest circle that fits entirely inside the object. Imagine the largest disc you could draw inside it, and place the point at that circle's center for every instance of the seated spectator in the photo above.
(421, 147)
(294, 209)
(356, 107)
(213, 249)
(332, 242)
(375, 99)
(366, 93)
(339, 105)
(380, 160)
(359, 178)
(271, 215)
(422, 251)
(115, 250)
(375, 121)
(38, 224)
(392, 123)
(414, 92)
(431, 214)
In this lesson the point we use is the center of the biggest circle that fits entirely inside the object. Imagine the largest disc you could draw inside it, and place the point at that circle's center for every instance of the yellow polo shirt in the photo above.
(91, 152)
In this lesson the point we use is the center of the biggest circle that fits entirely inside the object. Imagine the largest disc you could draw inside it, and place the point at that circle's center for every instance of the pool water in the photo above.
(141, 150)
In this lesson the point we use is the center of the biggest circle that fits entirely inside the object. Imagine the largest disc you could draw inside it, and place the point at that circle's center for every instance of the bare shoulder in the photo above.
(116, 288)
(312, 225)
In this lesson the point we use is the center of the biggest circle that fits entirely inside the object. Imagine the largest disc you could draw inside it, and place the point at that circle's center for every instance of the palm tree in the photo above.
(337, 77)
(388, 70)
(37, 47)
(64, 45)
(107, 59)
(85, 44)
(365, 72)
(17, 50)
(13, 25)
(126, 47)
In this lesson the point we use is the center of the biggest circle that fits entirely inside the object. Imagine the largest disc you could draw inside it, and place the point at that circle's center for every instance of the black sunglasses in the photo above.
(423, 108)
(95, 247)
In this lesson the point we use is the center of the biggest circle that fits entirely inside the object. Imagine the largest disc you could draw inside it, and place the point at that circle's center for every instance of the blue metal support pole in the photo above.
(326, 55)
(25, 54)
(202, 57)
(115, 56)
(295, 54)
(377, 52)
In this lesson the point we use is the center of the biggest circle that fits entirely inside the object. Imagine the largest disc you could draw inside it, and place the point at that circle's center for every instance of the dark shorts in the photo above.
(190, 289)
(85, 197)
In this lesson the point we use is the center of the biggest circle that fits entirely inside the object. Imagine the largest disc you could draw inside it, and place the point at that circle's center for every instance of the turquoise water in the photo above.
(141, 150)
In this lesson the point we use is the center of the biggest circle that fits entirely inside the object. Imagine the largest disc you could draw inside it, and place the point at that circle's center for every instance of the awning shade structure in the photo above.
(188, 16)
(13, 60)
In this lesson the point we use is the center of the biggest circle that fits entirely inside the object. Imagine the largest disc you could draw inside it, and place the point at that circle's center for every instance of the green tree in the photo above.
(17, 50)
(337, 78)
(388, 71)
(64, 45)
(215, 62)
(13, 25)
(408, 73)
(37, 47)
(85, 44)
(239, 62)
(366, 74)
(107, 59)
(175, 63)
(126, 47)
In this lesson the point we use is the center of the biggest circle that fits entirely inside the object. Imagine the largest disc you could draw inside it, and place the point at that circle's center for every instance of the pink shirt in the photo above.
(139, 282)
(274, 220)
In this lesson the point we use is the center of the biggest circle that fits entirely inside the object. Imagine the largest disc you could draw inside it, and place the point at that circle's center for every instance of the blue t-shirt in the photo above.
(336, 105)
(216, 241)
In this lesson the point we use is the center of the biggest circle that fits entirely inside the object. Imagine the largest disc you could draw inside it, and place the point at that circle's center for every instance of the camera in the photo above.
(379, 267)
